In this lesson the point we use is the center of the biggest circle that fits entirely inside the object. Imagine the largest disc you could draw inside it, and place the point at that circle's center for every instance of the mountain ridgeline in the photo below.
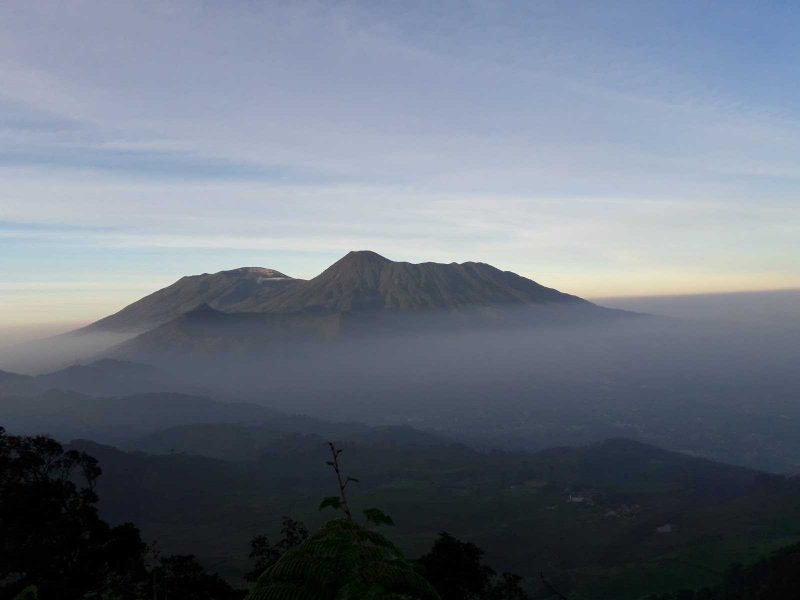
(365, 281)
(237, 290)
(359, 282)
(254, 309)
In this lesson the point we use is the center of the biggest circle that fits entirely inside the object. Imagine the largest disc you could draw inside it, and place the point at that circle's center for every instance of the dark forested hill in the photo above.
(776, 577)
(618, 519)
(97, 378)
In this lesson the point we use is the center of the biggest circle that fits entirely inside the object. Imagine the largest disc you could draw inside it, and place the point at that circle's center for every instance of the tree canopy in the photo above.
(55, 546)
(457, 571)
(343, 561)
(53, 538)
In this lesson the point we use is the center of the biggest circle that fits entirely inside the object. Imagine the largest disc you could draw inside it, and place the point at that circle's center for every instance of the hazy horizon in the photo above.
(82, 302)
(768, 311)
(670, 303)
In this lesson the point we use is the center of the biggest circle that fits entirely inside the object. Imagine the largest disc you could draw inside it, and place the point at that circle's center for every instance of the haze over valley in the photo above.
(467, 350)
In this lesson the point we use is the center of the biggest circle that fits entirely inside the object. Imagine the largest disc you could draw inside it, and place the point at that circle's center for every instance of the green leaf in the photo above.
(377, 517)
(29, 593)
(332, 501)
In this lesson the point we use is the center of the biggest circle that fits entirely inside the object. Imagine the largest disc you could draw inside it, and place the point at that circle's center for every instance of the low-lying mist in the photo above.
(720, 380)
(771, 309)
(720, 383)
(38, 349)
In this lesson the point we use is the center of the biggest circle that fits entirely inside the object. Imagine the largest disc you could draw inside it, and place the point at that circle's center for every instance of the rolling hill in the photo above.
(617, 519)
(105, 377)
(15, 383)
(66, 414)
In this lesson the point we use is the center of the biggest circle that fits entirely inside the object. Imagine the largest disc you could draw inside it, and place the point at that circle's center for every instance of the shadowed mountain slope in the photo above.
(242, 289)
(206, 332)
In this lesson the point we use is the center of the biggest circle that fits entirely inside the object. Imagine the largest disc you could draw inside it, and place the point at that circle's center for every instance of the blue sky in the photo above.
(602, 148)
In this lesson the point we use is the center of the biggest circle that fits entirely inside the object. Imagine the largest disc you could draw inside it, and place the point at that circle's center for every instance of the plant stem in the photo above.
(342, 482)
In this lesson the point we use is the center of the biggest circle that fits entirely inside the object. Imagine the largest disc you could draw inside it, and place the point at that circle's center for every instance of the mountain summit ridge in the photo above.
(360, 282)
(364, 280)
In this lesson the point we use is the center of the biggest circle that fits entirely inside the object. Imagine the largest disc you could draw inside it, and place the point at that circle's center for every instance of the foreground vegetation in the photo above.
(56, 546)
(206, 489)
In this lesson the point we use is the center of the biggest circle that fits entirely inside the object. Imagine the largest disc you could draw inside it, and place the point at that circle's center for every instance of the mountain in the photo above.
(237, 290)
(366, 281)
(360, 281)
(362, 293)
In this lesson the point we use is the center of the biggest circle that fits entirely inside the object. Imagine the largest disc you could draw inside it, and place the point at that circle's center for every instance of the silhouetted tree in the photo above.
(181, 577)
(456, 570)
(265, 554)
(54, 546)
(52, 537)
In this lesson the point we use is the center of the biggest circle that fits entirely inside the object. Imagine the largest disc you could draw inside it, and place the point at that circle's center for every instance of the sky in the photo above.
(606, 149)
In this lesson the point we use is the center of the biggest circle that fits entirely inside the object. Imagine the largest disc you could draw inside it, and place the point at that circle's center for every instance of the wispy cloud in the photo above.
(152, 164)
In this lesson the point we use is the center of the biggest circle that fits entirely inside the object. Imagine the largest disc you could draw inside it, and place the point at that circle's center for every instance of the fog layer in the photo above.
(722, 381)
